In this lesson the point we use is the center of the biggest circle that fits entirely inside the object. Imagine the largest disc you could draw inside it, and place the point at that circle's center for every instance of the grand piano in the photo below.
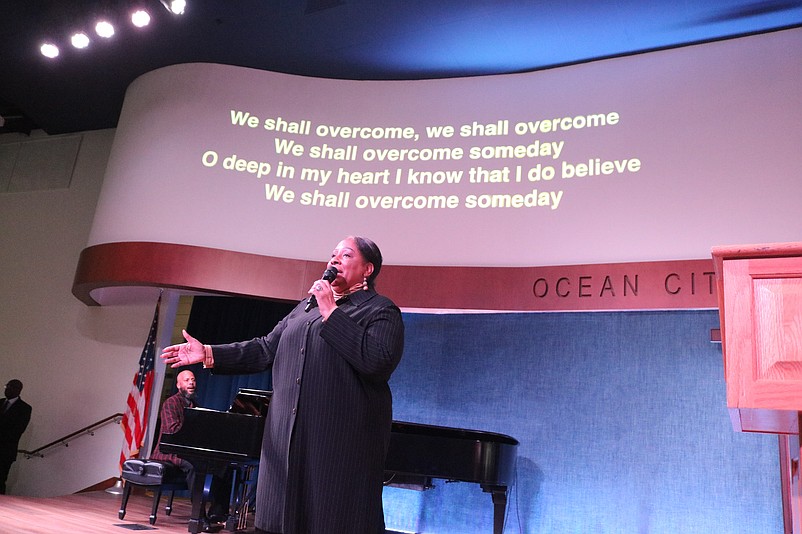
(418, 454)
(215, 441)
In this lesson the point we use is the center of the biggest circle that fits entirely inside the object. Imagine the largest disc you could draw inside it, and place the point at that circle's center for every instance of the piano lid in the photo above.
(216, 435)
(405, 427)
(449, 453)
(251, 402)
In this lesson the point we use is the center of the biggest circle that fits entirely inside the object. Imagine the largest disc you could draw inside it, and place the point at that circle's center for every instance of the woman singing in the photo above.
(328, 427)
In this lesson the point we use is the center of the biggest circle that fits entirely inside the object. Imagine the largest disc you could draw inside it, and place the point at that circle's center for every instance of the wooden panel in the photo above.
(760, 307)
(760, 296)
(109, 270)
(165, 265)
(766, 421)
(778, 328)
(763, 307)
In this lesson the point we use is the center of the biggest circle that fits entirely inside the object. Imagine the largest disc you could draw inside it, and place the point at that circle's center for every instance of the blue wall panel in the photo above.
(621, 417)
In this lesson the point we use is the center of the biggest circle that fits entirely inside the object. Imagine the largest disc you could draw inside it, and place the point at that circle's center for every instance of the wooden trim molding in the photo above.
(190, 268)
(122, 268)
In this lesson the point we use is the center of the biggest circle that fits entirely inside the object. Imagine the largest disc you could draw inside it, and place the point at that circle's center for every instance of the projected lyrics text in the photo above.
(500, 164)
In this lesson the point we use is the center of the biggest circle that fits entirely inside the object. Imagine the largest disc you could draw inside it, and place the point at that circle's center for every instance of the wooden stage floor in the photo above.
(93, 513)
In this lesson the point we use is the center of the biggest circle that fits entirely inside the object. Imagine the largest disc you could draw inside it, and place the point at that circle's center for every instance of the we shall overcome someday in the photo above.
(342, 200)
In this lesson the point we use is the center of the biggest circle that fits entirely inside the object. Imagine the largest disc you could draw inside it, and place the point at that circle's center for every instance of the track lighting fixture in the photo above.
(105, 16)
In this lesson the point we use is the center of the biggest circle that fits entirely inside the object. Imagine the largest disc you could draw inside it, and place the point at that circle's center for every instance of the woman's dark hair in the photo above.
(370, 251)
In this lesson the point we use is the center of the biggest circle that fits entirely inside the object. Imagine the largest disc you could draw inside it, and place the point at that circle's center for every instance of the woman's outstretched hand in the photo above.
(184, 353)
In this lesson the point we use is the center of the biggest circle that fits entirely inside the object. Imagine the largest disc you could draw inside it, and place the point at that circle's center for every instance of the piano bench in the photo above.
(156, 475)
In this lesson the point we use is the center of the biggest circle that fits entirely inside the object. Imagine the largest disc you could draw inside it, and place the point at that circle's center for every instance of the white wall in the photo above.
(76, 362)
(715, 129)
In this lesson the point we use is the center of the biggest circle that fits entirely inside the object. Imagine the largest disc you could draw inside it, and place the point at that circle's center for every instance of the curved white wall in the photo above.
(701, 145)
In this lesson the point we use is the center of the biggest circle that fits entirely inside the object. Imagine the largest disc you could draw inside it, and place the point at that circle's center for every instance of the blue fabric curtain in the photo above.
(224, 320)
(621, 418)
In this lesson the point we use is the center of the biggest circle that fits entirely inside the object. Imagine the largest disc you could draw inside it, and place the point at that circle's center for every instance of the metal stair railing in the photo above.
(65, 441)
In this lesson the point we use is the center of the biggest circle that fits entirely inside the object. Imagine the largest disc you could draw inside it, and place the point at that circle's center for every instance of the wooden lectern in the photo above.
(760, 308)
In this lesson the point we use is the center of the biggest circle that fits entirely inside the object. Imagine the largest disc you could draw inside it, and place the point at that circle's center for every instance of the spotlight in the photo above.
(49, 50)
(104, 29)
(140, 18)
(79, 40)
(175, 7)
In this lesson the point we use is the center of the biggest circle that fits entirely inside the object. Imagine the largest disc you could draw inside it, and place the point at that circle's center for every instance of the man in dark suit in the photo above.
(15, 414)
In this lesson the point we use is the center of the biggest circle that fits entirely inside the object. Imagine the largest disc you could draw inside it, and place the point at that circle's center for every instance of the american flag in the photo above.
(136, 410)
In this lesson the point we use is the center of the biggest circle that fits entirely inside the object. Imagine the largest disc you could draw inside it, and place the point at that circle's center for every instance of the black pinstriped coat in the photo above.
(328, 427)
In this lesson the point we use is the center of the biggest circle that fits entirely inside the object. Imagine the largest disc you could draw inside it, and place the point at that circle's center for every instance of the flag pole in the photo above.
(135, 416)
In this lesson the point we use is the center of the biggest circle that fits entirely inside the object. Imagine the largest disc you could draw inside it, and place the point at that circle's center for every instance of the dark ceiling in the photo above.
(350, 39)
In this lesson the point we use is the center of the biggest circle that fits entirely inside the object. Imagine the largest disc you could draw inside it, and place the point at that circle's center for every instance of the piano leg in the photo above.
(197, 520)
(499, 494)
(243, 487)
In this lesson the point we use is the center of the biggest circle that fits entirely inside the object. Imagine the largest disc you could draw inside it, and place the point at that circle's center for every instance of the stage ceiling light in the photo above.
(175, 6)
(49, 50)
(140, 18)
(104, 28)
(79, 40)
(138, 12)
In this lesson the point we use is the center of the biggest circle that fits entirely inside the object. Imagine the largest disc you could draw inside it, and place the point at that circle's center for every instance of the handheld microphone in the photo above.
(328, 275)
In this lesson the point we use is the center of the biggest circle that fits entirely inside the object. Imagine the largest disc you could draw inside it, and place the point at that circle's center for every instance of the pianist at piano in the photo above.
(328, 427)
(171, 419)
